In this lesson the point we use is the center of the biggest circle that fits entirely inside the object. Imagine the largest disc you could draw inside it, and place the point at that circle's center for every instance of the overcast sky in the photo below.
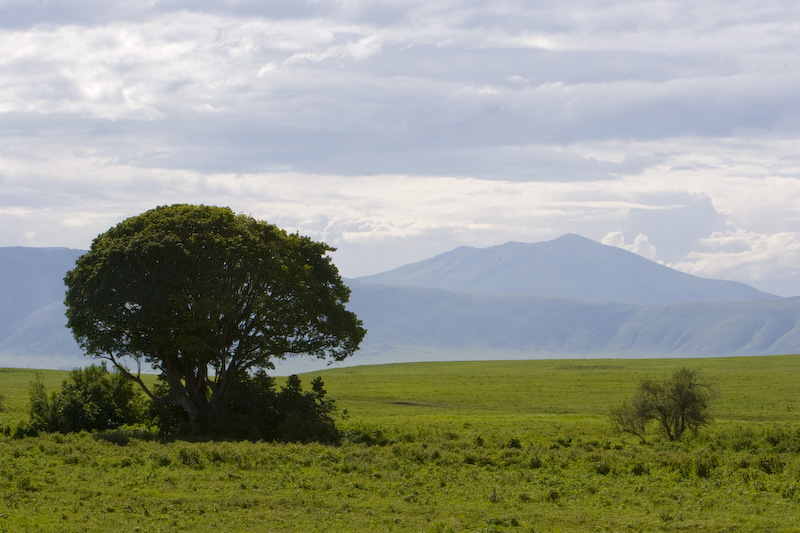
(399, 129)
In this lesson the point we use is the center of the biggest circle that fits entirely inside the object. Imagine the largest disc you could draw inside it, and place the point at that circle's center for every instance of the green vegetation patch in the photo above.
(745, 388)
(517, 446)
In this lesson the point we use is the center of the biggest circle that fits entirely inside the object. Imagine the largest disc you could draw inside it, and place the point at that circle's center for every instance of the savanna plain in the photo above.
(466, 446)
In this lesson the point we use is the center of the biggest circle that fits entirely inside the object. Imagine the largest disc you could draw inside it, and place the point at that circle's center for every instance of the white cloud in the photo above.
(614, 238)
(404, 128)
(771, 262)
(641, 244)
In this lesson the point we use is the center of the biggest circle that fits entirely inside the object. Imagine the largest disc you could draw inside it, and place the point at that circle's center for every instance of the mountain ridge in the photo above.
(31, 278)
(570, 266)
(422, 320)
(408, 322)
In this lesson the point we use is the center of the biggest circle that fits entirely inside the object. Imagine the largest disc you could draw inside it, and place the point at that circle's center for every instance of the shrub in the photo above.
(257, 411)
(170, 419)
(366, 435)
(89, 399)
(675, 405)
(4, 430)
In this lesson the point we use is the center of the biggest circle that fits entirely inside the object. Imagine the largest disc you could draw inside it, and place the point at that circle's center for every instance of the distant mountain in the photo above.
(32, 320)
(413, 324)
(570, 297)
(568, 267)
(31, 278)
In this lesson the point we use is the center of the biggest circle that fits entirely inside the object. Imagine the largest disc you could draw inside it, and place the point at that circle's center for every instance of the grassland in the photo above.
(474, 446)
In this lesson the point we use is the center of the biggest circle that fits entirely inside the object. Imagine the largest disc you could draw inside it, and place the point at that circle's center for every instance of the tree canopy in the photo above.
(207, 297)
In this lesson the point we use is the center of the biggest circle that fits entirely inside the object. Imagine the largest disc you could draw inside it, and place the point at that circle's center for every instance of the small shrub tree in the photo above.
(39, 406)
(258, 411)
(89, 399)
(5, 430)
(676, 404)
(305, 416)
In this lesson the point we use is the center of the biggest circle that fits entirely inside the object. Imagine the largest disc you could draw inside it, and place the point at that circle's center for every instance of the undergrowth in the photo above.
(437, 448)
(407, 477)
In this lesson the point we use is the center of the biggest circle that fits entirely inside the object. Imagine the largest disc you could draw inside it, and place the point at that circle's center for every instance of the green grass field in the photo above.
(474, 446)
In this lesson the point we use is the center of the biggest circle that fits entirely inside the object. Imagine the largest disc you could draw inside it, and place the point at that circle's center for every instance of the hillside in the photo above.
(568, 267)
(31, 278)
(566, 298)
(32, 321)
(415, 324)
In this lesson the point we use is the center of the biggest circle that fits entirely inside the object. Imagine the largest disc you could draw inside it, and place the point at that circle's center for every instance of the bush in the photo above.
(170, 419)
(675, 405)
(257, 411)
(90, 399)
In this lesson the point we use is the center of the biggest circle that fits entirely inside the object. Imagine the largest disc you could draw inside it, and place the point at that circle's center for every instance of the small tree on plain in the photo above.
(674, 405)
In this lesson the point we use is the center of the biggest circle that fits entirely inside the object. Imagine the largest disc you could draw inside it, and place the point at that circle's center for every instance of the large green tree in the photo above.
(206, 297)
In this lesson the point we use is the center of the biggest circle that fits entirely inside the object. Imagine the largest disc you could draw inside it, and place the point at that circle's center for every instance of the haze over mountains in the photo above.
(32, 322)
(31, 278)
(570, 297)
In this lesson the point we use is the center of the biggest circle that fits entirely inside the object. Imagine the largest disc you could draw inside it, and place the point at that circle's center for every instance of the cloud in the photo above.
(769, 261)
(423, 89)
(404, 128)
(641, 244)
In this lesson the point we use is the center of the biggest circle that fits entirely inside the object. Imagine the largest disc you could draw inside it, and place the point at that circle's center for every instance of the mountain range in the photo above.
(569, 297)
(568, 267)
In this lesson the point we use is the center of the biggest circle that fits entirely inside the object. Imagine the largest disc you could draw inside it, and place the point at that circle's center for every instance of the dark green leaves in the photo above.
(202, 293)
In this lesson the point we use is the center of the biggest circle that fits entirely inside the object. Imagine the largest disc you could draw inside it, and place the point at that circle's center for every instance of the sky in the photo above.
(396, 130)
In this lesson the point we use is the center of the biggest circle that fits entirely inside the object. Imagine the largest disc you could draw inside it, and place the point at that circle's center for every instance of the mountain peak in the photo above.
(573, 237)
(570, 266)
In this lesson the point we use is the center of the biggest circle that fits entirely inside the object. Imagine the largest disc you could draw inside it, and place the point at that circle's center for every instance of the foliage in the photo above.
(675, 405)
(427, 447)
(257, 411)
(426, 476)
(4, 429)
(40, 411)
(289, 415)
(170, 419)
(206, 297)
(89, 399)
(762, 389)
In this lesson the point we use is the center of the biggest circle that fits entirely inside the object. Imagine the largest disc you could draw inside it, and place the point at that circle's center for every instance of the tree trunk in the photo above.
(189, 391)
